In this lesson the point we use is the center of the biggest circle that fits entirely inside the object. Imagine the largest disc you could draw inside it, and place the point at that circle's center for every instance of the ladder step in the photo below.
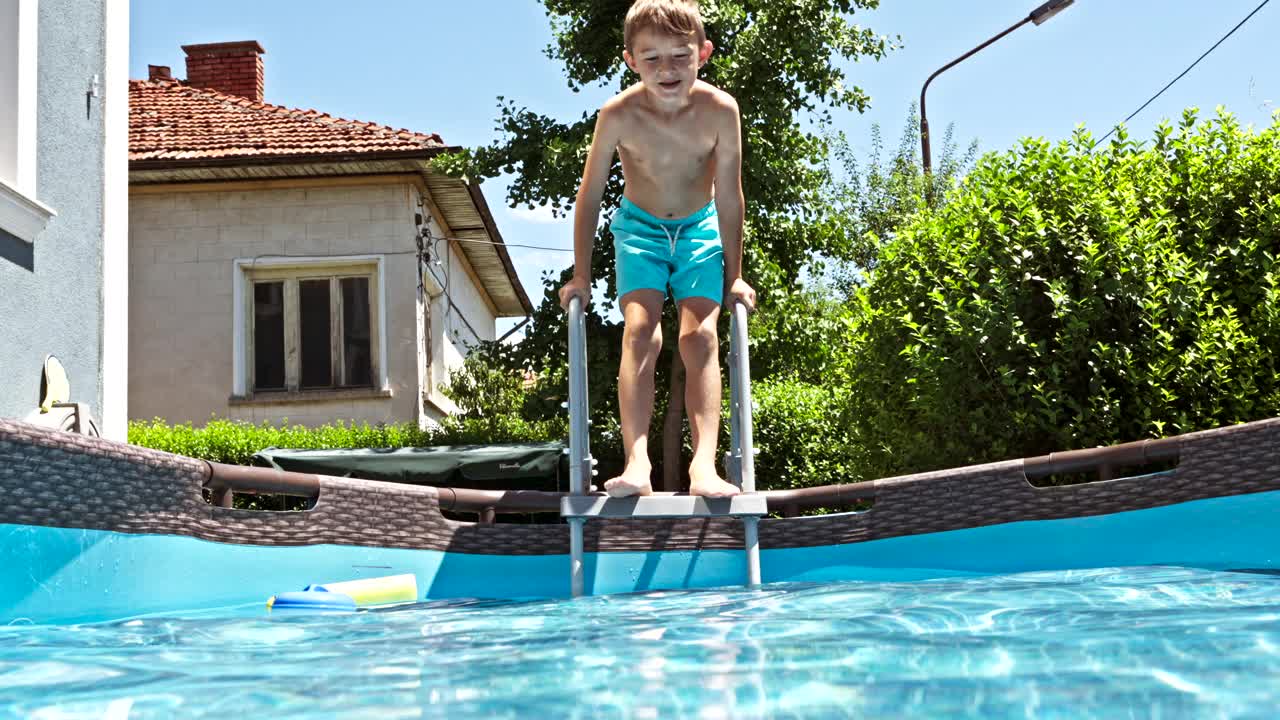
(663, 505)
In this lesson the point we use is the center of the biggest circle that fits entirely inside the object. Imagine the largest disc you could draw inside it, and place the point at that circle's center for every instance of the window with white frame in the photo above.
(20, 214)
(310, 326)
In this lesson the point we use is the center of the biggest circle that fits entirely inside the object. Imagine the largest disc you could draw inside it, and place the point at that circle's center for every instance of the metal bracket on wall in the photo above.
(95, 90)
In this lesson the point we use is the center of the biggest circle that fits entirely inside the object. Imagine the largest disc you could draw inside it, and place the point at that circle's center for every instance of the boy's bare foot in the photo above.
(706, 482)
(634, 480)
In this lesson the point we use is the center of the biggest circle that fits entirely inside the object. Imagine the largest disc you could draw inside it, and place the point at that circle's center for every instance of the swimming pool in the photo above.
(90, 528)
(1101, 643)
(125, 593)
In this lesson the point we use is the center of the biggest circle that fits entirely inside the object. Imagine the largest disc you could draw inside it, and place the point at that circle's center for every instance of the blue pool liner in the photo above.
(70, 575)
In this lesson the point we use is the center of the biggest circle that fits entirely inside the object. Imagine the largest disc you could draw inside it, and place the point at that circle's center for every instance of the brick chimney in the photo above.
(234, 68)
(158, 72)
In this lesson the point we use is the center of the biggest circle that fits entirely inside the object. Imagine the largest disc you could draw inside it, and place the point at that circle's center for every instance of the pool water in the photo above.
(1116, 643)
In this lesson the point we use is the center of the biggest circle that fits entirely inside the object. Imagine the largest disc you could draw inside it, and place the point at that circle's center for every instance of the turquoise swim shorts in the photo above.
(652, 253)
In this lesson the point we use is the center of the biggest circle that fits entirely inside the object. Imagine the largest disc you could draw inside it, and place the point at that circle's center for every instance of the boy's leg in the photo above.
(700, 350)
(641, 342)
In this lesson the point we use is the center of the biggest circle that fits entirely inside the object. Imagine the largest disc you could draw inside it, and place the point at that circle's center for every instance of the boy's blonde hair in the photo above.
(669, 17)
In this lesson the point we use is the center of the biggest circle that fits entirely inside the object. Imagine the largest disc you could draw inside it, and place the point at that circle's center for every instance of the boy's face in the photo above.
(667, 64)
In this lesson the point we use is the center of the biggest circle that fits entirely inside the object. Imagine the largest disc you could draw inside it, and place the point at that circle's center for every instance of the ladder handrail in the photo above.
(740, 423)
(740, 428)
(580, 460)
(741, 460)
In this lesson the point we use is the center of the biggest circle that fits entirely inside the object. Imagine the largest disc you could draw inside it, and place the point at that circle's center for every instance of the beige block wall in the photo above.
(183, 246)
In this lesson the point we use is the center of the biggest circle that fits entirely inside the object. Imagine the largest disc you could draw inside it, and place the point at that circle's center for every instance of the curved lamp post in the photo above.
(1037, 16)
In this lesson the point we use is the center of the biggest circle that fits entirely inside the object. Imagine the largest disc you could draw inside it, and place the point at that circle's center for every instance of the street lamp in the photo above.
(1038, 16)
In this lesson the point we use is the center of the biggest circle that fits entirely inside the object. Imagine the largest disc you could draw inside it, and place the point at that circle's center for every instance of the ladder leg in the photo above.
(580, 461)
(751, 534)
(733, 458)
(576, 576)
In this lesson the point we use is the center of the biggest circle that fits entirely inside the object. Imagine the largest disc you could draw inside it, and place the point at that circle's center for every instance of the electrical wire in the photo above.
(444, 284)
(1184, 72)
(450, 305)
(428, 258)
(507, 244)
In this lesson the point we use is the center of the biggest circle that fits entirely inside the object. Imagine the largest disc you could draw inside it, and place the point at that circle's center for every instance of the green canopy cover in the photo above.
(516, 466)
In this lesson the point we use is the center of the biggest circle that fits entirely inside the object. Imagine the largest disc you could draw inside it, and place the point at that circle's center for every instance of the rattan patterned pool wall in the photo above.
(58, 479)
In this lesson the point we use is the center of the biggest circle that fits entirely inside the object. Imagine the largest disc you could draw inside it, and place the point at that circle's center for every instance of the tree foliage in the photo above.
(873, 198)
(782, 60)
(779, 58)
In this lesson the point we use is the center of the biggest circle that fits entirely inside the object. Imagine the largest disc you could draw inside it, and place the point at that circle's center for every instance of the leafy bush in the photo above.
(800, 435)
(804, 335)
(1067, 298)
(797, 424)
(235, 442)
(797, 431)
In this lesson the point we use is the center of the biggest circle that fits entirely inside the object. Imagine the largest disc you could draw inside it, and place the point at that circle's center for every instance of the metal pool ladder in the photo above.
(579, 506)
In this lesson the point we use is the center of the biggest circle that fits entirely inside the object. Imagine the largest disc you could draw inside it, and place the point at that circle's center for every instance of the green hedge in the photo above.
(797, 430)
(1068, 298)
(235, 442)
(802, 438)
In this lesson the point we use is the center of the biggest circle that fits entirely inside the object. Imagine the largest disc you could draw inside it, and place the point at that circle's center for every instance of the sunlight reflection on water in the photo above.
(1130, 642)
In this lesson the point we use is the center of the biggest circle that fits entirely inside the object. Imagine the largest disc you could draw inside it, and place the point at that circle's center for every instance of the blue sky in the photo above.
(439, 65)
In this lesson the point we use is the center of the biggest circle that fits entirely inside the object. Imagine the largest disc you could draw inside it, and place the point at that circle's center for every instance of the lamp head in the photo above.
(1041, 15)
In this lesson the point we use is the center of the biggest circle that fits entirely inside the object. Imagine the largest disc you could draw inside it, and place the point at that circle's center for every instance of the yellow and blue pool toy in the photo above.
(349, 595)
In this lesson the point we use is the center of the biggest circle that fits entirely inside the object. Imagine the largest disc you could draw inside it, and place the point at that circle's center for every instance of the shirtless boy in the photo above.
(679, 224)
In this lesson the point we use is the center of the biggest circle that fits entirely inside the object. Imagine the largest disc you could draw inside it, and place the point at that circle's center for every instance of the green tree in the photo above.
(873, 198)
(780, 59)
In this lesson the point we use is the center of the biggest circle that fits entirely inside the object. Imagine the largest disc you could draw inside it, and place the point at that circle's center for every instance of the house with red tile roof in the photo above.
(287, 264)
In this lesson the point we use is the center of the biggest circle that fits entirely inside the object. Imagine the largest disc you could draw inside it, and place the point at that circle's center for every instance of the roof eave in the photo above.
(492, 227)
(295, 159)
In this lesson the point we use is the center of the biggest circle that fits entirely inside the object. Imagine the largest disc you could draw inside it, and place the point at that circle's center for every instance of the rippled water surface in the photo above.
(1120, 643)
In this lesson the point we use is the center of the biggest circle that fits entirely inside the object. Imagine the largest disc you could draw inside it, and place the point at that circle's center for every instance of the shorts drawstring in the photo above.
(672, 238)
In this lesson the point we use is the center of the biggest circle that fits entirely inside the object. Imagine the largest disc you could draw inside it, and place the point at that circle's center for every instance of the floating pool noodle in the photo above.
(349, 595)
(375, 591)
(316, 600)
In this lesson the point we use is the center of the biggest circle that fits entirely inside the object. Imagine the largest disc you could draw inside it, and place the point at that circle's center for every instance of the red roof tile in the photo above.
(171, 121)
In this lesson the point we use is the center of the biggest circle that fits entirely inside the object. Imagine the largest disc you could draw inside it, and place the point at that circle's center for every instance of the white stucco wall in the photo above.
(183, 250)
(62, 148)
(456, 325)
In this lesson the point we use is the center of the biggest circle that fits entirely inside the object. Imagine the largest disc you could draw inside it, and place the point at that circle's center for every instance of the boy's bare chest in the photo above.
(668, 149)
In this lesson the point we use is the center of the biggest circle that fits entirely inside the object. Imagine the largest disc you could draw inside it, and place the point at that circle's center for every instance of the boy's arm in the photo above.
(586, 211)
(730, 203)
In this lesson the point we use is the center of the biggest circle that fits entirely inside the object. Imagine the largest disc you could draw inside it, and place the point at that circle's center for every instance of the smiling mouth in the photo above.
(670, 84)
